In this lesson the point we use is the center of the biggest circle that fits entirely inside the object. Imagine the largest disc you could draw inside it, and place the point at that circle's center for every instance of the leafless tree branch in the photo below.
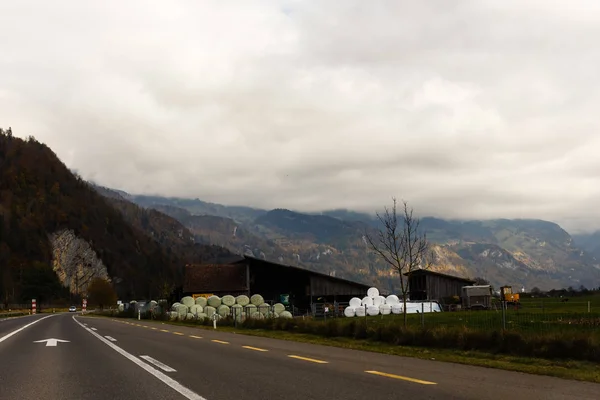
(400, 245)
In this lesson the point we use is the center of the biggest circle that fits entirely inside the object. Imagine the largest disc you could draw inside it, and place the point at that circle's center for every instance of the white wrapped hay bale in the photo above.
(286, 314)
(190, 317)
(210, 311)
(278, 308)
(257, 315)
(355, 302)
(379, 300)
(392, 299)
(202, 316)
(214, 301)
(372, 310)
(228, 300)
(249, 310)
(372, 292)
(174, 306)
(396, 308)
(360, 311)
(237, 311)
(182, 310)
(385, 309)
(188, 301)
(367, 301)
(264, 308)
(350, 311)
(223, 310)
(257, 300)
(173, 315)
(121, 307)
(201, 301)
(242, 300)
(196, 309)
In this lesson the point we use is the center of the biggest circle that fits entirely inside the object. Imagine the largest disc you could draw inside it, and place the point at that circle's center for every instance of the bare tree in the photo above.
(401, 245)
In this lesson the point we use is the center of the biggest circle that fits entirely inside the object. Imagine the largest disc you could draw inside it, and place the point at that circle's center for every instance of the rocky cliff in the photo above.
(75, 262)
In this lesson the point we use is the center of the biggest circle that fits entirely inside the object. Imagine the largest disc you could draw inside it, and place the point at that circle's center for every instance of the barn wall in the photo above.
(271, 281)
(322, 286)
(439, 287)
(434, 287)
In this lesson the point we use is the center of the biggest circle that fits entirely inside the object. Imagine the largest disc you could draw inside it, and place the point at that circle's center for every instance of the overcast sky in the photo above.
(466, 109)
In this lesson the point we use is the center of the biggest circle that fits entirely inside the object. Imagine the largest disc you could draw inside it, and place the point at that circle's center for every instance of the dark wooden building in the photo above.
(430, 285)
(273, 281)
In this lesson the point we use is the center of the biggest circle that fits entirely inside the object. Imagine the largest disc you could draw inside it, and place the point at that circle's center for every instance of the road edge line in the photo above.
(158, 364)
(3, 338)
(167, 380)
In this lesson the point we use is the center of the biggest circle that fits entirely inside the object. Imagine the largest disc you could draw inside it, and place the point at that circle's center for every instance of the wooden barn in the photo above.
(430, 285)
(275, 282)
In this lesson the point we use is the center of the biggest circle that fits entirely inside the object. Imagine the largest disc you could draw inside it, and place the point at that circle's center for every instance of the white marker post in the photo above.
(214, 318)
(33, 306)
(84, 306)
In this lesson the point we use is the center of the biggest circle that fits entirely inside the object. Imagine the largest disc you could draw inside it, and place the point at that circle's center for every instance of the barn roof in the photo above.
(308, 271)
(200, 278)
(434, 273)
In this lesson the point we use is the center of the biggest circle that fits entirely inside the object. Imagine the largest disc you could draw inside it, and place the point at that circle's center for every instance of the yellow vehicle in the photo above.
(507, 295)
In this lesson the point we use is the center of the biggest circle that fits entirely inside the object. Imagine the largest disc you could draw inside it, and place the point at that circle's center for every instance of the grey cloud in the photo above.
(475, 109)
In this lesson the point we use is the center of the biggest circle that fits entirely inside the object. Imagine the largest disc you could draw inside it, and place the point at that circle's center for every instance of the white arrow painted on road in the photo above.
(51, 342)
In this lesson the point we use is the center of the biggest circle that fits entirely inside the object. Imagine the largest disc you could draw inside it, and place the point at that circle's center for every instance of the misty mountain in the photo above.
(516, 252)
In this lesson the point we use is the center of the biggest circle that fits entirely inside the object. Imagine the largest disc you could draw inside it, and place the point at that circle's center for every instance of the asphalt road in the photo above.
(117, 359)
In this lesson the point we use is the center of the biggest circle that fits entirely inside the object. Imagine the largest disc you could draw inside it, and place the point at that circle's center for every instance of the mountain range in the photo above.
(521, 252)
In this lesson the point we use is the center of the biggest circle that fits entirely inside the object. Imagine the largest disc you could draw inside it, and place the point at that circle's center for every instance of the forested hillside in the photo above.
(42, 201)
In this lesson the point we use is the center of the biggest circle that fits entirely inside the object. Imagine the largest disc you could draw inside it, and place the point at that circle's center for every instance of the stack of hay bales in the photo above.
(240, 308)
(373, 304)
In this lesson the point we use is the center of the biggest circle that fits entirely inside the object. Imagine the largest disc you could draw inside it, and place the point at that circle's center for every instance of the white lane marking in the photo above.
(51, 342)
(167, 380)
(112, 339)
(94, 329)
(160, 365)
(3, 338)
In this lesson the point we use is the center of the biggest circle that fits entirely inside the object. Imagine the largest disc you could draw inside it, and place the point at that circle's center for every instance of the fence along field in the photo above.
(535, 315)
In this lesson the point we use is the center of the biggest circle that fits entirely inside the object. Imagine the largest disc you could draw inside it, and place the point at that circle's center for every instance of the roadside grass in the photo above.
(10, 314)
(522, 320)
(561, 368)
(54, 310)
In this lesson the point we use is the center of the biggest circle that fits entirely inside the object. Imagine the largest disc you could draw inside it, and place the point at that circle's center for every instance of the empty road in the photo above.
(68, 356)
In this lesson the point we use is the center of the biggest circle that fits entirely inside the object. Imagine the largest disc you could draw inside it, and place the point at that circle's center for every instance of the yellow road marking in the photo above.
(220, 341)
(309, 359)
(404, 378)
(164, 330)
(178, 333)
(254, 348)
(154, 328)
(196, 337)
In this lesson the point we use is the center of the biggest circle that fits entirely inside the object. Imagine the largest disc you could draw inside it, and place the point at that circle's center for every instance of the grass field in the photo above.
(535, 315)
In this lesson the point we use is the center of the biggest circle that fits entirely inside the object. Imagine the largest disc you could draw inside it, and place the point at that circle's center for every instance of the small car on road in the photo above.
(72, 309)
